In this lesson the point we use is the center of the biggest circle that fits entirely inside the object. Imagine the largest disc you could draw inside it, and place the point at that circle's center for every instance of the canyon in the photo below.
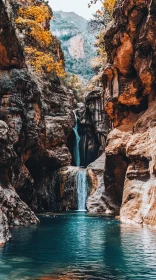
(116, 125)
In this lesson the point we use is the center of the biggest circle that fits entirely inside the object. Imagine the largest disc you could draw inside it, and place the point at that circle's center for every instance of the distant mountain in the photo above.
(77, 43)
(79, 21)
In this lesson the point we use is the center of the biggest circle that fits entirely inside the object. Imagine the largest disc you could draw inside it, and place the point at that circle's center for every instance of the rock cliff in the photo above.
(35, 114)
(129, 90)
(93, 126)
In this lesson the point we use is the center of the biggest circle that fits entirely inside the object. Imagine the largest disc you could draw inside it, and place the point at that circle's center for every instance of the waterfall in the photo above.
(81, 176)
(81, 182)
(76, 146)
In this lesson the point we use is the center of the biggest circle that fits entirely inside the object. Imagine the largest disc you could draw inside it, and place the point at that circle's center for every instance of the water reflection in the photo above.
(78, 246)
(142, 248)
(114, 258)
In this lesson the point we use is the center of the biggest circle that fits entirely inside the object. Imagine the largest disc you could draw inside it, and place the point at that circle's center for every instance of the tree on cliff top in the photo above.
(42, 49)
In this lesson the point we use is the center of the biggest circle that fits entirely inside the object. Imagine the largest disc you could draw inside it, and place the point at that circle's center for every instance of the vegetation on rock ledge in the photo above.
(43, 51)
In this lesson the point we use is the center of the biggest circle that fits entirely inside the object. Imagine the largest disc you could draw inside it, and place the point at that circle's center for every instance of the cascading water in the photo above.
(82, 189)
(81, 177)
(77, 141)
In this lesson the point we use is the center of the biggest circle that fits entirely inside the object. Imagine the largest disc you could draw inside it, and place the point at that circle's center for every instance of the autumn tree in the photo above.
(43, 51)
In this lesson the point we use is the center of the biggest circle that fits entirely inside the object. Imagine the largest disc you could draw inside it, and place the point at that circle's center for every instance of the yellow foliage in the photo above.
(109, 5)
(43, 56)
(44, 62)
(38, 13)
(44, 37)
(35, 18)
(41, 36)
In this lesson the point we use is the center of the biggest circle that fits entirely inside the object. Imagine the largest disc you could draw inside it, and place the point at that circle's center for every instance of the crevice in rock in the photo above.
(138, 168)
(114, 177)
(70, 143)
(143, 106)
(89, 145)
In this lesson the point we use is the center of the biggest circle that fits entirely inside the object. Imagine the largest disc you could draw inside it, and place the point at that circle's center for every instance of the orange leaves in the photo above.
(43, 37)
(109, 5)
(38, 13)
(44, 62)
(99, 12)
(42, 47)
(35, 19)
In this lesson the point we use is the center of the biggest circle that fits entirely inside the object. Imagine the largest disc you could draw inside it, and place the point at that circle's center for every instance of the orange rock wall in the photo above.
(129, 82)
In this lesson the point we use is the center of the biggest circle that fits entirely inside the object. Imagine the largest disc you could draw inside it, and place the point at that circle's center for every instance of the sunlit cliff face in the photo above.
(129, 93)
(129, 100)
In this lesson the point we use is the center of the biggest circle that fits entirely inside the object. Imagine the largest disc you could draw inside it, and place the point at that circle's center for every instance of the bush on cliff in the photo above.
(43, 51)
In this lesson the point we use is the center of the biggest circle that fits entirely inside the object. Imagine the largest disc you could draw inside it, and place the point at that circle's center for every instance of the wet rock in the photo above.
(65, 181)
(93, 127)
(62, 276)
(66, 185)
(99, 200)
(4, 229)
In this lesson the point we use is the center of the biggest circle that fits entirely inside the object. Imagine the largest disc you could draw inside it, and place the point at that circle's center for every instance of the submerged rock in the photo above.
(68, 276)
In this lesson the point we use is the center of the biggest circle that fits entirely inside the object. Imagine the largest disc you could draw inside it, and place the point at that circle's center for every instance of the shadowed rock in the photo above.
(36, 119)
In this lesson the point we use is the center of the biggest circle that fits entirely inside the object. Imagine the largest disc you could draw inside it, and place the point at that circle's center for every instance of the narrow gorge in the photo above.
(64, 150)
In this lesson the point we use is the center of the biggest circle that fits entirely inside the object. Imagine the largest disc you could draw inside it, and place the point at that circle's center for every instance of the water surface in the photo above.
(79, 246)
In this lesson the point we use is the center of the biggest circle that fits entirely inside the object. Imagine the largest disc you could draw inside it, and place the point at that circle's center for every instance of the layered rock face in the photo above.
(64, 181)
(67, 181)
(35, 120)
(99, 199)
(129, 98)
(93, 127)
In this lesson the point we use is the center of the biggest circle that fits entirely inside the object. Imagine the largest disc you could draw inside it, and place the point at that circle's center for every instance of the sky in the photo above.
(80, 7)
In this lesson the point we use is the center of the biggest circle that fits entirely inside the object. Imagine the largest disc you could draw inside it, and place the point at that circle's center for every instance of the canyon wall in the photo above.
(129, 90)
(36, 117)
(93, 127)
